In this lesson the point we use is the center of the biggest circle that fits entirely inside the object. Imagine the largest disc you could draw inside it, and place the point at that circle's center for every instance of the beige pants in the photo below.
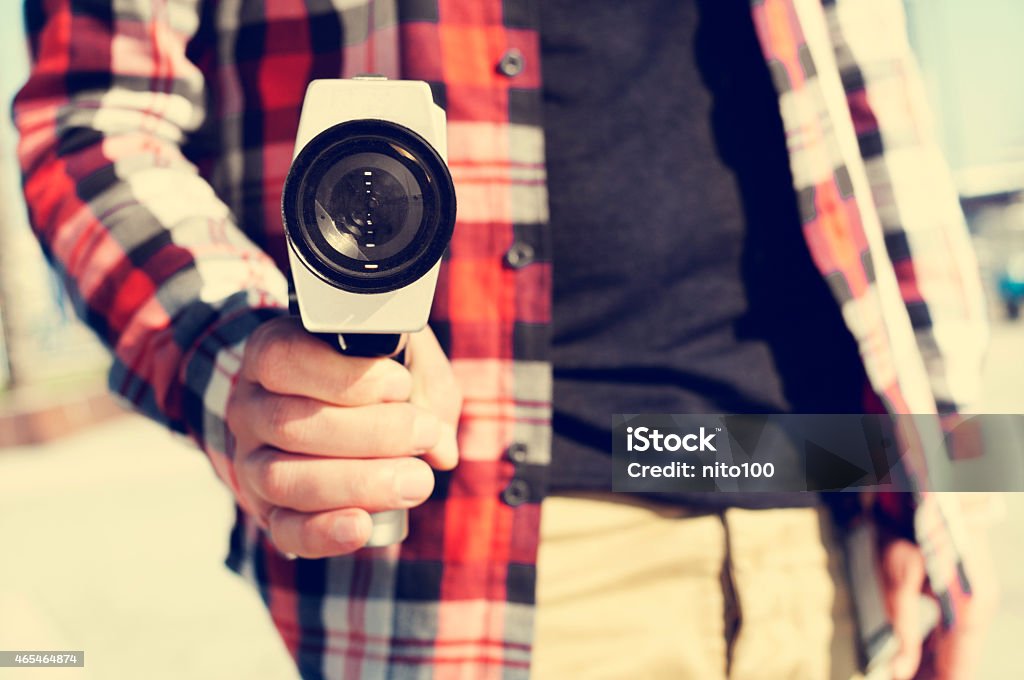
(633, 589)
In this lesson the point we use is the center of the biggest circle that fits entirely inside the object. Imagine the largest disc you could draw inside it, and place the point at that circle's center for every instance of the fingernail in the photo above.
(349, 529)
(425, 431)
(414, 482)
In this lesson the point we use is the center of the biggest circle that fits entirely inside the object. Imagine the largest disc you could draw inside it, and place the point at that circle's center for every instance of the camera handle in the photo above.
(389, 526)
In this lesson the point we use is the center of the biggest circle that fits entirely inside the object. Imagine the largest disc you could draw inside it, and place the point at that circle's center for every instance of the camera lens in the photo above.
(369, 206)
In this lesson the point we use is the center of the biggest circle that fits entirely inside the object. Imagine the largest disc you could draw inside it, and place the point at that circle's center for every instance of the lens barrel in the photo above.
(368, 206)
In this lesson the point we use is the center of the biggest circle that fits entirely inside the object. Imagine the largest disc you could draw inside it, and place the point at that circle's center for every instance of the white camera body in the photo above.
(323, 307)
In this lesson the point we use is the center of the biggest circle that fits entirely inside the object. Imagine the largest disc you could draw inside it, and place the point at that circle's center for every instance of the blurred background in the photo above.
(107, 518)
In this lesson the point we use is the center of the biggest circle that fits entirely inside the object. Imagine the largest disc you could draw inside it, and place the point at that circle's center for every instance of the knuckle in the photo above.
(392, 382)
(277, 481)
(314, 534)
(234, 410)
(346, 377)
(274, 365)
(394, 429)
(254, 343)
(284, 423)
(258, 341)
(376, 382)
(281, 527)
(251, 502)
(403, 416)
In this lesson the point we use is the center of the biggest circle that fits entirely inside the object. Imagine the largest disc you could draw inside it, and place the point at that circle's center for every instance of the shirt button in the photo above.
(512, 63)
(518, 452)
(519, 255)
(516, 493)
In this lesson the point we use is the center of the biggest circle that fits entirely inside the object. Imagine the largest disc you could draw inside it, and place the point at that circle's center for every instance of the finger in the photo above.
(322, 534)
(285, 359)
(959, 651)
(302, 425)
(254, 506)
(445, 454)
(310, 484)
(903, 571)
(435, 388)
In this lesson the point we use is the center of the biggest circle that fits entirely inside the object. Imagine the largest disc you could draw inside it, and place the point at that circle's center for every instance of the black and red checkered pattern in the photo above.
(156, 135)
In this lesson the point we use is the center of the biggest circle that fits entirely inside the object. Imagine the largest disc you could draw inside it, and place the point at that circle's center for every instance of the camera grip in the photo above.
(389, 526)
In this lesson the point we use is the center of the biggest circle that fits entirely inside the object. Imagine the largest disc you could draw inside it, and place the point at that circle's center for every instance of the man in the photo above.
(155, 141)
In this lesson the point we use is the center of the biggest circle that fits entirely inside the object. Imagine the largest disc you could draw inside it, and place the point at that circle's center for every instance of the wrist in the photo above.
(210, 376)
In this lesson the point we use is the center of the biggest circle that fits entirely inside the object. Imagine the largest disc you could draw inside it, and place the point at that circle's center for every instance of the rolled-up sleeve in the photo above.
(153, 260)
(914, 195)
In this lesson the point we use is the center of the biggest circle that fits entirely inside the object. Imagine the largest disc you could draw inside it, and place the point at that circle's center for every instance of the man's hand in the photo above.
(323, 439)
(957, 653)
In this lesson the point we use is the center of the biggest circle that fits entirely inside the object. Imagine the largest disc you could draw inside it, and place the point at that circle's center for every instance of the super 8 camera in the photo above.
(369, 209)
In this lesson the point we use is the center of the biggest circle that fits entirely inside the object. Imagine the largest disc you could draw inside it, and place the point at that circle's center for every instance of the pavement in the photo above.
(112, 541)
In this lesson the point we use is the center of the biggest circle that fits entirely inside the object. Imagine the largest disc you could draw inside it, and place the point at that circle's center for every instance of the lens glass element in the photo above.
(368, 206)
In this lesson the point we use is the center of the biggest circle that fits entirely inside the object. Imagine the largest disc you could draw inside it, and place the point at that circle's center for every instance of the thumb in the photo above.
(434, 388)
(903, 575)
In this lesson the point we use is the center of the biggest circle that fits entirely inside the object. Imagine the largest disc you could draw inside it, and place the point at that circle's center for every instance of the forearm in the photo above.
(915, 198)
(150, 255)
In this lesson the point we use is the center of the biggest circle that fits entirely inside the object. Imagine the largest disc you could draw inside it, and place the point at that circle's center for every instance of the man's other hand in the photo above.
(957, 652)
(323, 439)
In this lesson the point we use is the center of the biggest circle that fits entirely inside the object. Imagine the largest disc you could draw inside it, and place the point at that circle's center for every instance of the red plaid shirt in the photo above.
(156, 135)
